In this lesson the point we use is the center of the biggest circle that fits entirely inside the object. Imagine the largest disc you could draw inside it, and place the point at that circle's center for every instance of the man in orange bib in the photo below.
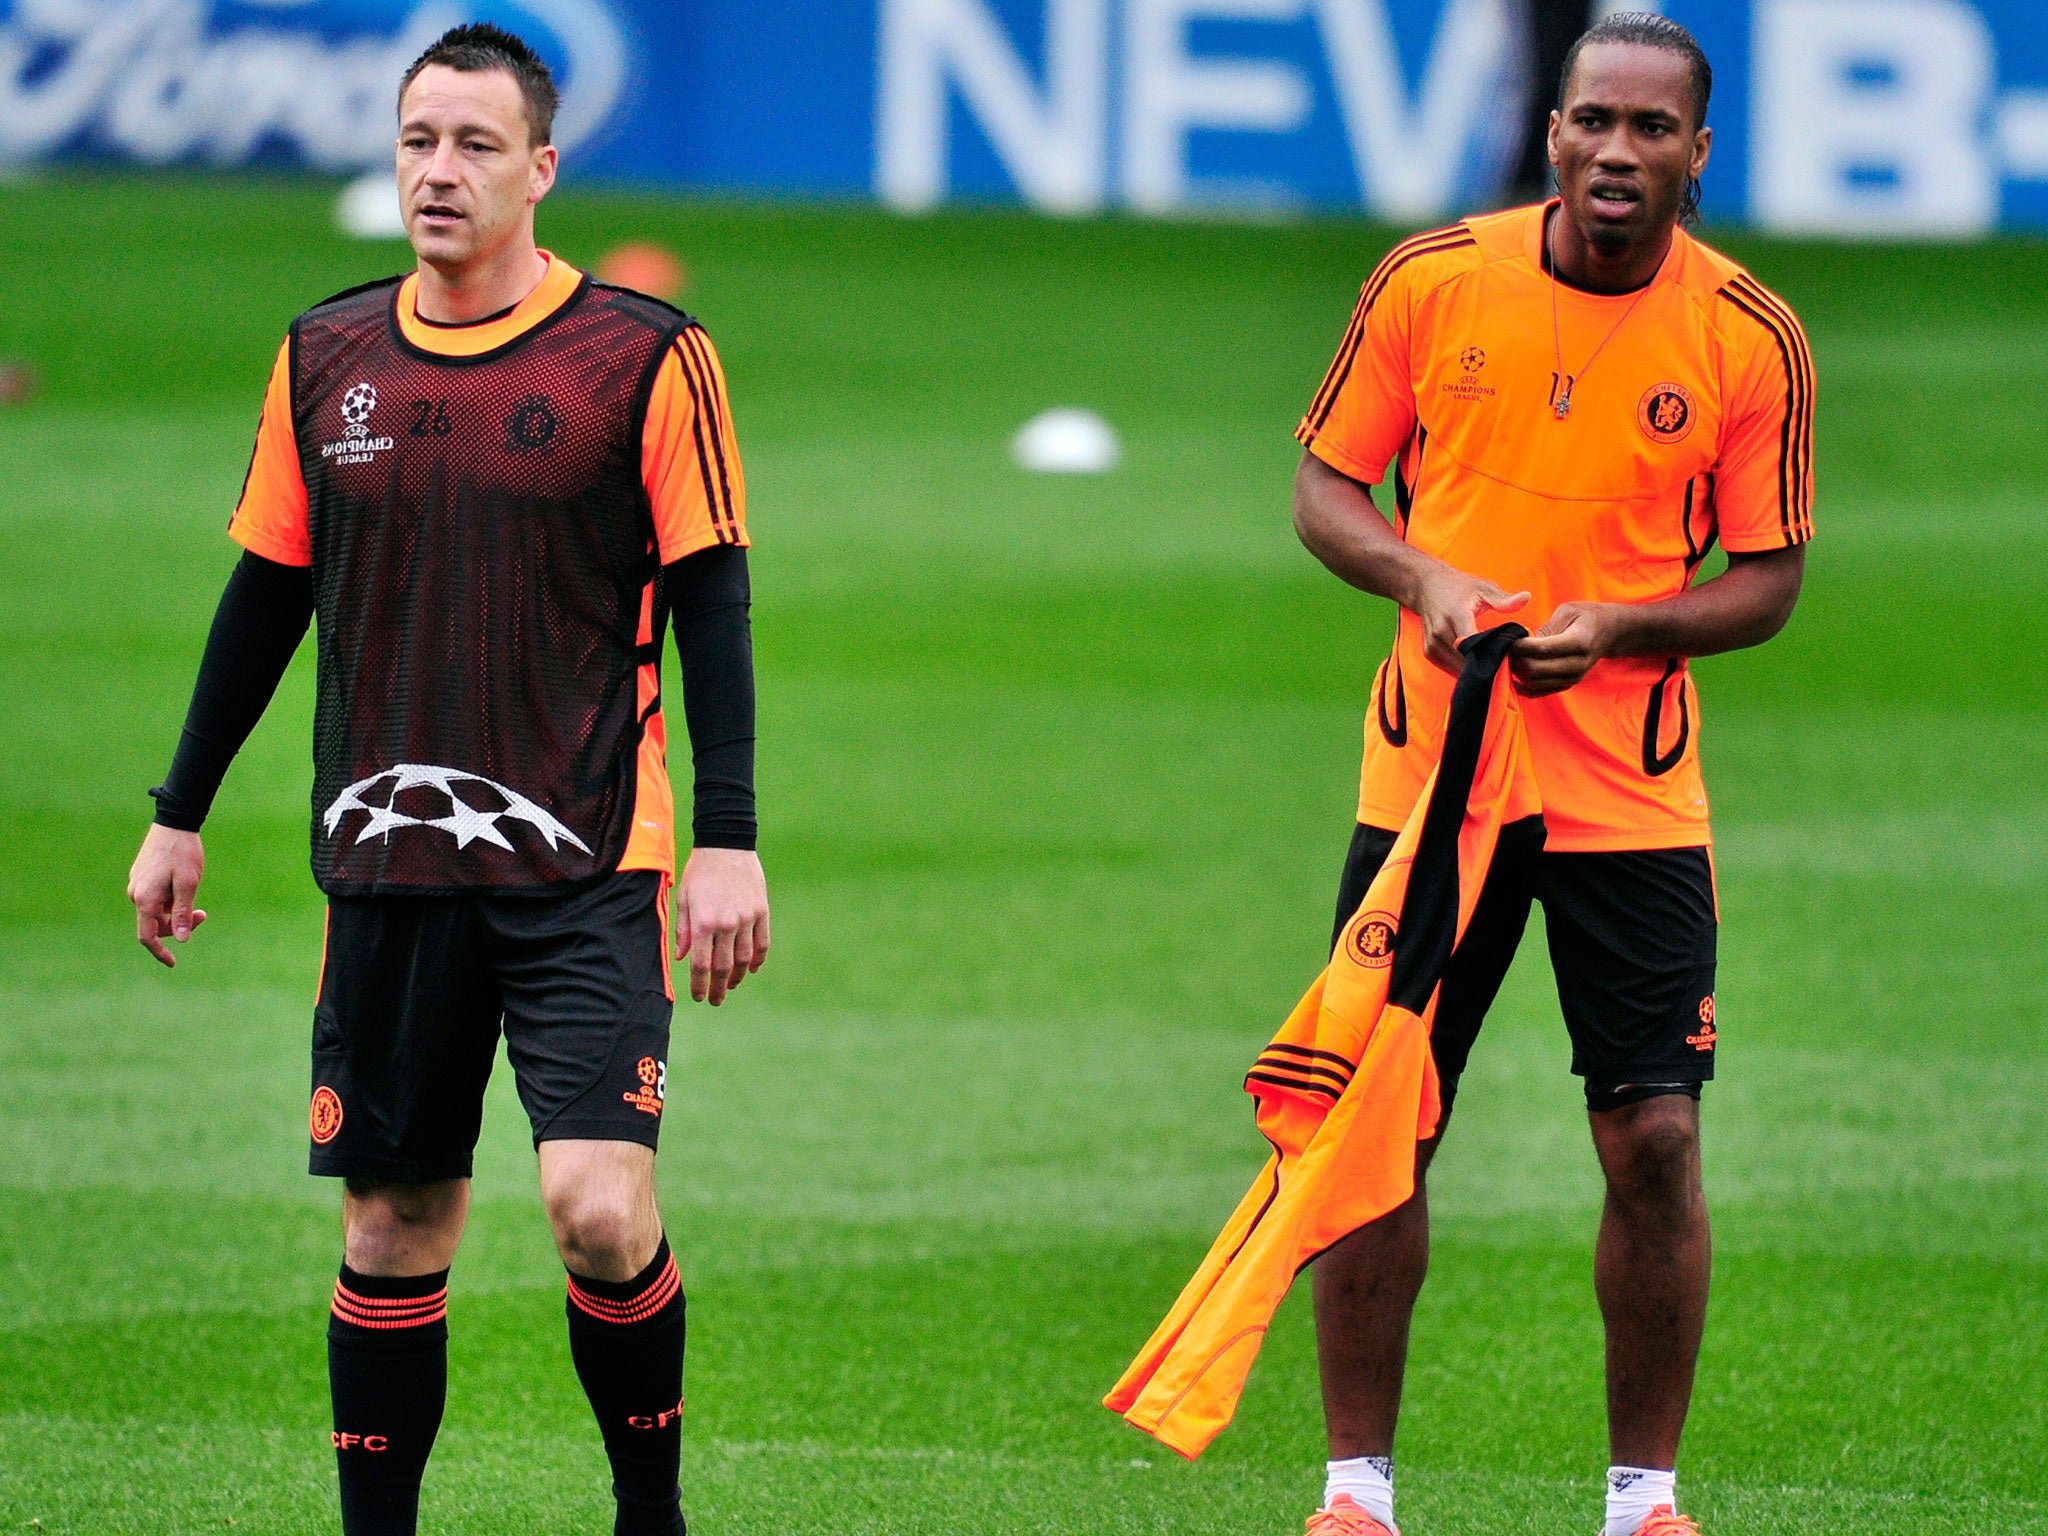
(1577, 400)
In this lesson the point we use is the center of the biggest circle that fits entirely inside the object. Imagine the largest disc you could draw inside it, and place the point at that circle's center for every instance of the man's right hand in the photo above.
(1341, 527)
(162, 883)
(1449, 603)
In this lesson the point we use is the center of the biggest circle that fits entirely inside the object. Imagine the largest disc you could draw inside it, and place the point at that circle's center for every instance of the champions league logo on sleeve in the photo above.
(234, 82)
(447, 799)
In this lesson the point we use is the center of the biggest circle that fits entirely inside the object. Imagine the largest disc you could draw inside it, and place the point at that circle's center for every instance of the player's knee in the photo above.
(1653, 1157)
(395, 1224)
(597, 1233)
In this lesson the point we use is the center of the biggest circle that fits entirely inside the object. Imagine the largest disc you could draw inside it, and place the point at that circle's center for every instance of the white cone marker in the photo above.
(368, 208)
(1066, 441)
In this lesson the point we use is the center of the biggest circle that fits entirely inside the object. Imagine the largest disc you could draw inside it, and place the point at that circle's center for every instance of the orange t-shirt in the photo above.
(689, 465)
(1693, 421)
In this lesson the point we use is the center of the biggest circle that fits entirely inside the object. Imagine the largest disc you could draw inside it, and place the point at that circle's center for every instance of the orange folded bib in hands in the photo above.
(1348, 1087)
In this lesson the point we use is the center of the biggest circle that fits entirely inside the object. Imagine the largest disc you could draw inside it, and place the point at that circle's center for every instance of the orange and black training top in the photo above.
(1694, 422)
(1348, 1087)
(486, 510)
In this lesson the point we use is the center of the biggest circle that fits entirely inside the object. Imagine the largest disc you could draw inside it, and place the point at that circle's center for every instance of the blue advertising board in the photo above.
(1870, 117)
(1877, 117)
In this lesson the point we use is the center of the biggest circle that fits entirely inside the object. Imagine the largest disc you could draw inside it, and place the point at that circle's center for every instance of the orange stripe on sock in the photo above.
(391, 1302)
(634, 1309)
(369, 1320)
(389, 1311)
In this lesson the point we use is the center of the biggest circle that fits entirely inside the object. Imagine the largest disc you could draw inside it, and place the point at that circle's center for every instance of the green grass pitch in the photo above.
(1056, 781)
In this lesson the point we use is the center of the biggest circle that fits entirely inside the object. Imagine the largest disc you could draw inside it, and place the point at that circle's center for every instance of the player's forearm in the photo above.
(710, 595)
(1745, 605)
(262, 616)
(1337, 522)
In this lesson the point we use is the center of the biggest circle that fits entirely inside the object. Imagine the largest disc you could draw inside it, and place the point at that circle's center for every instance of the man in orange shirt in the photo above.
(1578, 400)
(497, 483)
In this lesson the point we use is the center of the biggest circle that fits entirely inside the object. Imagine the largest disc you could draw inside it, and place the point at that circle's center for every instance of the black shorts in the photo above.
(1632, 937)
(413, 990)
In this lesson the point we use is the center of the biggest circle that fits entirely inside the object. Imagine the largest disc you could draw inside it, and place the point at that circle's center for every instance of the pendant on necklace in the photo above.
(1564, 405)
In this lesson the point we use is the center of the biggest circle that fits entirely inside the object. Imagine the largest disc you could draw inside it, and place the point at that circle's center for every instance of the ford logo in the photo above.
(312, 82)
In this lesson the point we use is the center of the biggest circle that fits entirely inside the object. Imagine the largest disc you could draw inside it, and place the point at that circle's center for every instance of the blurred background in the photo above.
(1057, 768)
(1871, 117)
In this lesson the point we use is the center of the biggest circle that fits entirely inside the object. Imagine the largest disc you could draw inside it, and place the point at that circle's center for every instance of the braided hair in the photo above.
(1649, 30)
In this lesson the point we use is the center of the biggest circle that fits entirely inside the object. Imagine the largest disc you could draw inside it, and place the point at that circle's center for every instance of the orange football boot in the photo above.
(1664, 1520)
(1347, 1517)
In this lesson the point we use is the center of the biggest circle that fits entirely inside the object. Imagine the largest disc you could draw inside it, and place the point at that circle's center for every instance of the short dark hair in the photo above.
(480, 46)
(1648, 30)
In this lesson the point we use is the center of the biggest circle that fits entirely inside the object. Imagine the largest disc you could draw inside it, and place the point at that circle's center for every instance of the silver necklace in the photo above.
(1566, 381)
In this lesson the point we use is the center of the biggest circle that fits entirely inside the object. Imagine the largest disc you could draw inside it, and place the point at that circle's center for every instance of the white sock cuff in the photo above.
(1368, 1479)
(1632, 1492)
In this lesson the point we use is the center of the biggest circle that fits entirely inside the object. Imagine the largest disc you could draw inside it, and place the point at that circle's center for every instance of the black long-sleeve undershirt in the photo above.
(709, 596)
(262, 616)
(266, 607)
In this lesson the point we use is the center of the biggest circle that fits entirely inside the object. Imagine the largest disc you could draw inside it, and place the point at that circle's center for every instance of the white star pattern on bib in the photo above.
(463, 821)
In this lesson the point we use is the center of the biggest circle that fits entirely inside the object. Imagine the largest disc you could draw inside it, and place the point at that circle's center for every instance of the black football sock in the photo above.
(626, 1337)
(387, 1364)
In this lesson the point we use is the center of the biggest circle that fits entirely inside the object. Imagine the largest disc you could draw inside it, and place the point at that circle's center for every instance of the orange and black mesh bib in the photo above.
(481, 550)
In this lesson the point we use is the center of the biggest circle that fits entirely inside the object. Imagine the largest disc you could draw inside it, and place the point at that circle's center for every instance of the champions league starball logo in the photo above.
(454, 795)
(356, 446)
(357, 404)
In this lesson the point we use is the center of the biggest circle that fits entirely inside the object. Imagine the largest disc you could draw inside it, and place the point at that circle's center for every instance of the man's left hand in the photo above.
(721, 920)
(1563, 651)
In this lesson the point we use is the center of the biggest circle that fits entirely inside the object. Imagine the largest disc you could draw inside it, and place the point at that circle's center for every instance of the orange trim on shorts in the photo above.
(326, 929)
(668, 984)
